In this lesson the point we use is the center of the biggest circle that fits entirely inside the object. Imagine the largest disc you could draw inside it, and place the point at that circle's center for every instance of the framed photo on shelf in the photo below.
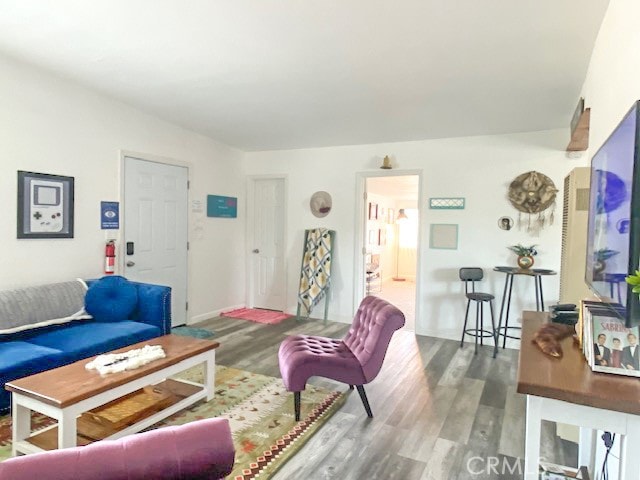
(45, 205)
(373, 237)
(608, 345)
(373, 211)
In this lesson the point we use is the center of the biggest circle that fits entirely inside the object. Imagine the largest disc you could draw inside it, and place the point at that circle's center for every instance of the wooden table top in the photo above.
(73, 383)
(570, 378)
(532, 272)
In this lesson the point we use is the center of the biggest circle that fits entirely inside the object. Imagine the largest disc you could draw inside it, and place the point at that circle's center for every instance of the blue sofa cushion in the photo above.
(111, 298)
(20, 359)
(91, 338)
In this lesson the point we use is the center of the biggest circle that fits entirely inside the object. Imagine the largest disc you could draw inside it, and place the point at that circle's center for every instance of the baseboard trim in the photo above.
(212, 314)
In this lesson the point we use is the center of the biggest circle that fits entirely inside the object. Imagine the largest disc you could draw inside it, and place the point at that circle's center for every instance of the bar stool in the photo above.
(471, 275)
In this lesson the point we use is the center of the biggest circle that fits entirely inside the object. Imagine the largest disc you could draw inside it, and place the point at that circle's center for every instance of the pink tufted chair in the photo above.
(200, 450)
(355, 360)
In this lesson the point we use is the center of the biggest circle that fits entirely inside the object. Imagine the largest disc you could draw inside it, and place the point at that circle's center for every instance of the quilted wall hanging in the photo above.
(533, 194)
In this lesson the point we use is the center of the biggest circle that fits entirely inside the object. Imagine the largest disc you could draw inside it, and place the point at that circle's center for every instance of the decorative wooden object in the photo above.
(580, 136)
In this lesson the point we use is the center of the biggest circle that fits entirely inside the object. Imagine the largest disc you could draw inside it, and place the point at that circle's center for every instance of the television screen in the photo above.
(614, 211)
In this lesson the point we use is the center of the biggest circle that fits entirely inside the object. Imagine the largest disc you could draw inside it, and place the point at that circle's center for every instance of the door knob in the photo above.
(130, 263)
(256, 250)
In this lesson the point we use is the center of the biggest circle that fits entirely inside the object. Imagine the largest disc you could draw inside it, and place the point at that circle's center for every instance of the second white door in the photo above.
(267, 272)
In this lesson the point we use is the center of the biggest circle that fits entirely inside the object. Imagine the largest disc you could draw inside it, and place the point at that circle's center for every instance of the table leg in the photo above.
(495, 332)
(541, 296)
(535, 281)
(67, 430)
(21, 419)
(210, 375)
(506, 316)
(532, 437)
(504, 298)
(629, 458)
(587, 445)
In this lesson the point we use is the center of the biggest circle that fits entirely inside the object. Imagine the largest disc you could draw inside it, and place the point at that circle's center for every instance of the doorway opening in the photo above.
(391, 241)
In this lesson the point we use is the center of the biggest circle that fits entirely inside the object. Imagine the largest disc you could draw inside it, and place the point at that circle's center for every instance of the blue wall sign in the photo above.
(218, 206)
(109, 215)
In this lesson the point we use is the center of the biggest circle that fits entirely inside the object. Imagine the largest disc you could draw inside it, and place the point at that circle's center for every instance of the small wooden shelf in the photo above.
(580, 137)
(130, 409)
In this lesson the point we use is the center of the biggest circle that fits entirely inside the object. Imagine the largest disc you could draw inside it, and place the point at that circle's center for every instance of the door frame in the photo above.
(251, 181)
(122, 234)
(360, 240)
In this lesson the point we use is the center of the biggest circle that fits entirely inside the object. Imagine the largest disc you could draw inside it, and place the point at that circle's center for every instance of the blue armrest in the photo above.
(154, 305)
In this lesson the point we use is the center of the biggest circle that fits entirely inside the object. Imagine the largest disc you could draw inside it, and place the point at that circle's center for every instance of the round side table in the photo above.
(510, 273)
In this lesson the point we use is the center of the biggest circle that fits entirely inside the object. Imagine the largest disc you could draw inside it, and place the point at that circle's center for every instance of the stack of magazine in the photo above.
(608, 345)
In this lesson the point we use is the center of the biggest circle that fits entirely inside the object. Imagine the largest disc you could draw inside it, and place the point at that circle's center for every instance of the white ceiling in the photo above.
(279, 74)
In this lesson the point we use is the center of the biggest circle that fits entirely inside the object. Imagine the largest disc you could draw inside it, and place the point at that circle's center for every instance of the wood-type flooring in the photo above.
(440, 412)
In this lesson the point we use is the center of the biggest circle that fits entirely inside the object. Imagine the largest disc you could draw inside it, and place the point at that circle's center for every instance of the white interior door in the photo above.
(155, 228)
(267, 283)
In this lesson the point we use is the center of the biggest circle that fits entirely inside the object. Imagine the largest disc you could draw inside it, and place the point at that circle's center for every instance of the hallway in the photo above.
(403, 296)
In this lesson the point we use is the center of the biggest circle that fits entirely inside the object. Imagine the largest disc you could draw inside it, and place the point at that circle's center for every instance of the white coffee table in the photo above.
(65, 393)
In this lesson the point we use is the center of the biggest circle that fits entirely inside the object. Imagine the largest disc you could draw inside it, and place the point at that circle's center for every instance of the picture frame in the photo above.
(382, 237)
(444, 236)
(373, 211)
(607, 343)
(45, 205)
(373, 237)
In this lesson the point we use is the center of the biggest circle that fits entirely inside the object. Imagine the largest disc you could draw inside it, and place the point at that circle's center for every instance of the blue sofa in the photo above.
(116, 313)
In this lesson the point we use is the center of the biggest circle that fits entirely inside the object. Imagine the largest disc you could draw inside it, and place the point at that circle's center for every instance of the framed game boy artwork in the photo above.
(45, 205)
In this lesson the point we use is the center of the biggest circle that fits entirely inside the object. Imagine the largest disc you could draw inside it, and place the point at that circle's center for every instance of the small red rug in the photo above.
(270, 317)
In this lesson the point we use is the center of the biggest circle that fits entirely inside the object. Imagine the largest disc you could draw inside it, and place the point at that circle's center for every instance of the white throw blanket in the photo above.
(119, 362)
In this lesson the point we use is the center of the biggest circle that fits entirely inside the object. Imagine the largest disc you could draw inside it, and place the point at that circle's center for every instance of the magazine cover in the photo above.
(588, 307)
(585, 327)
(615, 347)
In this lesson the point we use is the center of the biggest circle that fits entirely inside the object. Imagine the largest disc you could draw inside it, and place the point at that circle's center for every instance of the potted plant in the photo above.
(634, 279)
(525, 255)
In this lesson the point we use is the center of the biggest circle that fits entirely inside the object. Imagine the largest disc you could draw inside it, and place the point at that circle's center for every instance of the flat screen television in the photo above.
(613, 235)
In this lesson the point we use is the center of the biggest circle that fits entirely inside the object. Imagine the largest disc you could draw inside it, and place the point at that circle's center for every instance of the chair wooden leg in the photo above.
(365, 402)
(296, 405)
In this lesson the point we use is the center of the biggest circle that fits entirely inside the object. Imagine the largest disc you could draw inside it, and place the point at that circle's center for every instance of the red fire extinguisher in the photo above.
(110, 258)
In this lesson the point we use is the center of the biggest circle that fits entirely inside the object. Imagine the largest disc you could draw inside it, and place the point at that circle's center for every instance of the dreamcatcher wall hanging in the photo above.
(533, 194)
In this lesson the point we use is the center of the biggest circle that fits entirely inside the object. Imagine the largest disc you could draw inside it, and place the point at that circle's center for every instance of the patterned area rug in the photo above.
(192, 332)
(259, 410)
(258, 315)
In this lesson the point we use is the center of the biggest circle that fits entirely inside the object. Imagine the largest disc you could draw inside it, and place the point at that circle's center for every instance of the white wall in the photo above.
(477, 168)
(612, 83)
(50, 125)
